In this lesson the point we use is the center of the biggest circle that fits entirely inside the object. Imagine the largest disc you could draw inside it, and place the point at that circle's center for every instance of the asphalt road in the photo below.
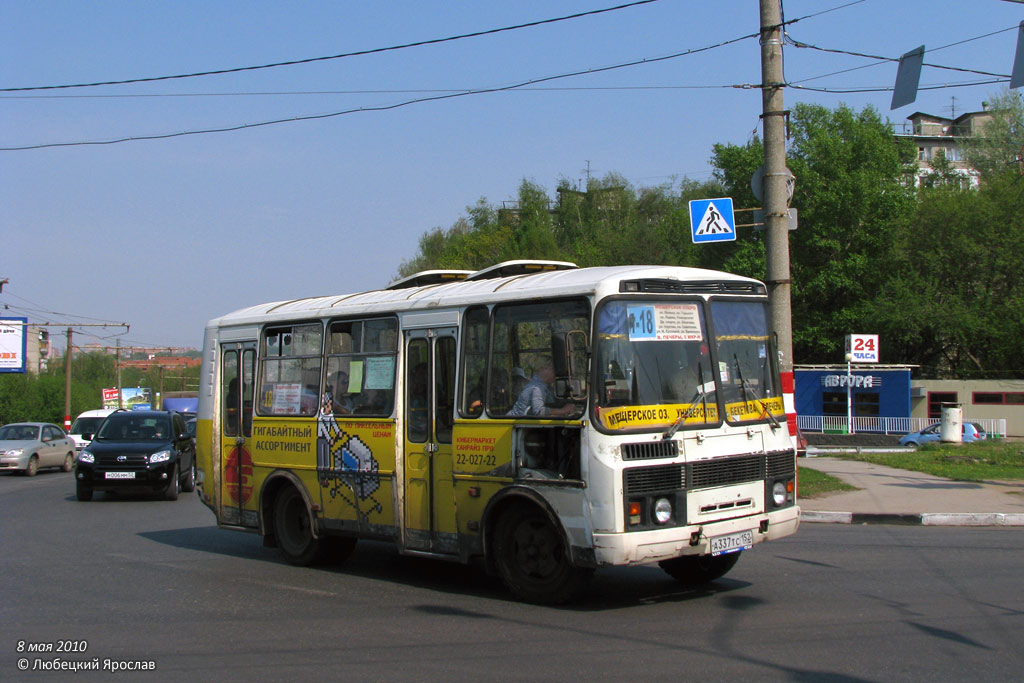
(145, 582)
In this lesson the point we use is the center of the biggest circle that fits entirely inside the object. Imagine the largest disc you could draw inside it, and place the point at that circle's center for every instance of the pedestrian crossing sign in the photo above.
(712, 220)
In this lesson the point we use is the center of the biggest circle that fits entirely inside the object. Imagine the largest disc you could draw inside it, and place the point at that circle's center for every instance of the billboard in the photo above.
(132, 398)
(12, 344)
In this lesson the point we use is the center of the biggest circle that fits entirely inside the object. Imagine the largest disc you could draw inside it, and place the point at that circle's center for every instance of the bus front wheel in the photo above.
(533, 561)
(697, 569)
(293, 528)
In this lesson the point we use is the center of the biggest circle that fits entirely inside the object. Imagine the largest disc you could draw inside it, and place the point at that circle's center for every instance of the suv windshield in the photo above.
(661, 368)
(135, 428)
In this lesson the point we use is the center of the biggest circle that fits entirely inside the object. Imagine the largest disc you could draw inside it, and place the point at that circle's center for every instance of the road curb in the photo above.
(923, 519)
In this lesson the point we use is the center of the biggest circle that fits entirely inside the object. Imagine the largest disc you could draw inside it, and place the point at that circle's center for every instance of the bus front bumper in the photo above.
(647, 547)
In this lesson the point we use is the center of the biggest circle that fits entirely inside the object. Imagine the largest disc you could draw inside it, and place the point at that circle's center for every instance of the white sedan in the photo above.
(27, 446)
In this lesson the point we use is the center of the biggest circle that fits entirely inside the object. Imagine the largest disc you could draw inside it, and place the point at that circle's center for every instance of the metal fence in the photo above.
(838, 424)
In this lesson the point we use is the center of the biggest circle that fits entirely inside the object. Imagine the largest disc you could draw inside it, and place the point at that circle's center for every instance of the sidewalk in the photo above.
(888, 495)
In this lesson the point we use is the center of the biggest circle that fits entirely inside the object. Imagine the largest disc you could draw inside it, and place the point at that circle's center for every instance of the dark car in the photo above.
(138, 451)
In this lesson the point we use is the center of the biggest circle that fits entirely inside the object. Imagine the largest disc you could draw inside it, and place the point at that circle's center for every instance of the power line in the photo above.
(310, 60)
(386, 107)
(942, 86)
(281, 93)
(882, 59)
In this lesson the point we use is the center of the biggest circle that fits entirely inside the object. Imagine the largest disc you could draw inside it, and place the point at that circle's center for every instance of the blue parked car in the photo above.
(972, 431)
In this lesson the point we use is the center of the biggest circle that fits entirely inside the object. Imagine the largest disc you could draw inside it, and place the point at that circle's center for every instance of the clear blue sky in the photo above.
(166, 234)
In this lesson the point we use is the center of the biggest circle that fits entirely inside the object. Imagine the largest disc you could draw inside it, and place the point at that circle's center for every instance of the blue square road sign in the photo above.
(712, 220)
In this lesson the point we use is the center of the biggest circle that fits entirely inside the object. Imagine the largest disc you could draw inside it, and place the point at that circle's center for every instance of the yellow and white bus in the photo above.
(548, 418)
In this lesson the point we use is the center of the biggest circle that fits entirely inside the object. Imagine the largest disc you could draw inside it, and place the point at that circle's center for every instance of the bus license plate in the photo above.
(119, 475)
(732, 543)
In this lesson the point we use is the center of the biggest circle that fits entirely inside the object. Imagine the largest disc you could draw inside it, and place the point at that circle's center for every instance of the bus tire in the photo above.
(694, 570)
(293, 528)
(532, 559)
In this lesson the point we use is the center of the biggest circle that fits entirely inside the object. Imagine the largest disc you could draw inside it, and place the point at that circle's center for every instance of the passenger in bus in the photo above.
(231, 407)
(536, 398)
(341, 400)
(372, 402)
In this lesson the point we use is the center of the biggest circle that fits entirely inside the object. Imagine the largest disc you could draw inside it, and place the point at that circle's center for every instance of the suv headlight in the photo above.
(160, 456)
(86, 456)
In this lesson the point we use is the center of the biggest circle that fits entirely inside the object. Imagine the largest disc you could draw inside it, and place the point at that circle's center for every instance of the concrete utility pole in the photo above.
(776, 195)
(67, 384)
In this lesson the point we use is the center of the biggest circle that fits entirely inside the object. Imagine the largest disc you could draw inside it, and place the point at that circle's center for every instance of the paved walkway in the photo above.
(893, 496)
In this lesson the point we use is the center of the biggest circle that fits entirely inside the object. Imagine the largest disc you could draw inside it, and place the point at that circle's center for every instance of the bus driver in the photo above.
(535, 398)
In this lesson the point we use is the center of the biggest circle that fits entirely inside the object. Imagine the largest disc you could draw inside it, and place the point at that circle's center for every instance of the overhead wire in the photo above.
(883, 59)
(387, 107)
(356, 53)
(523, 85)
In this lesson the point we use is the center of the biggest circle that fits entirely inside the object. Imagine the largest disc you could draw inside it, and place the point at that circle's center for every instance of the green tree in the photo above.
(997, 147)
(853, 193)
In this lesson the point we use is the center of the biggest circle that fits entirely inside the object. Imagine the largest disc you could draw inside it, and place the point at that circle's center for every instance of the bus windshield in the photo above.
(658, 356)
(654, 355)
(745, 364)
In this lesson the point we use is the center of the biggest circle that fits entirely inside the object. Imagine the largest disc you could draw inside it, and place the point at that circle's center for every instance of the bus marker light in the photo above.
(634, 512)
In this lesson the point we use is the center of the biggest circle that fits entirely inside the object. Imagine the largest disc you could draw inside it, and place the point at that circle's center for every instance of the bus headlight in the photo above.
(779, 494)
(662, 510)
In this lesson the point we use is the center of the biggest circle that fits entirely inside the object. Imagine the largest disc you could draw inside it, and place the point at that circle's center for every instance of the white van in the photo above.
(85, 426)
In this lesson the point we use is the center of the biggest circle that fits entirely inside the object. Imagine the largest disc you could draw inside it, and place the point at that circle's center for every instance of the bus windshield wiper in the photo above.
(701, 396)
(753, 392)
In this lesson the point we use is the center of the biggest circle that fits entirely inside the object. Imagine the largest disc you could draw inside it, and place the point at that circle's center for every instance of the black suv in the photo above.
(138, 450)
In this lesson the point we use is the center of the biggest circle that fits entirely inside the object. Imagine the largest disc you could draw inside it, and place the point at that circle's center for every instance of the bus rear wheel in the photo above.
(694, 570)
(533, 561)
(293, 529)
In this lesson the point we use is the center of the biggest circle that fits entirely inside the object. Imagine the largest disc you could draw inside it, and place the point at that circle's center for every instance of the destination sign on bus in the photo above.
(664, 322)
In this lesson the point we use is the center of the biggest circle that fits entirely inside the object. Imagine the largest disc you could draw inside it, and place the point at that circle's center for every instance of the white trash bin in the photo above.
(951, 429)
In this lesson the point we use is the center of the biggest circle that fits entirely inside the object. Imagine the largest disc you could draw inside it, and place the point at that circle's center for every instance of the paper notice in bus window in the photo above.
(380, 372)
(355, 377)
(286, 399)
(664, 322)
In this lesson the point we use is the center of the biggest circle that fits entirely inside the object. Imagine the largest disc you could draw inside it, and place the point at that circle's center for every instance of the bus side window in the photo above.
(474, 361)
(229, 390)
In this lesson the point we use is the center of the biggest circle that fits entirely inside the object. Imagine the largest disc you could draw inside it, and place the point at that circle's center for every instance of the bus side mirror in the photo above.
(569, 355)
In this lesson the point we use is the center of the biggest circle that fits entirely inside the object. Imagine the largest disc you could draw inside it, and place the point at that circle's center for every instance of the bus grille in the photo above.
(702, 475)
(782, 463)
(725, 471)
(651, 449)
(655, 479)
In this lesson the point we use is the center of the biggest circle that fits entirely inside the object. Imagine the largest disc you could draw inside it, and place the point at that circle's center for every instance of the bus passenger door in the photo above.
(238, 365)
(429, 409)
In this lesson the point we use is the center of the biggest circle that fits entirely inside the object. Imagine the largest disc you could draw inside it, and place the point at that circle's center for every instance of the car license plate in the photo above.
(119, 475)
(732, 543)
